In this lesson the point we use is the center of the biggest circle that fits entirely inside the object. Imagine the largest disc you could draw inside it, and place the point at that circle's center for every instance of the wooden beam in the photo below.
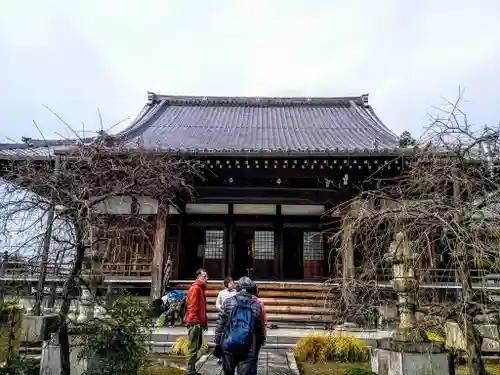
(158, 255)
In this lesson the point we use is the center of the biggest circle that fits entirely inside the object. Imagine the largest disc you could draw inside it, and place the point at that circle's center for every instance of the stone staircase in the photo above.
(294, 305)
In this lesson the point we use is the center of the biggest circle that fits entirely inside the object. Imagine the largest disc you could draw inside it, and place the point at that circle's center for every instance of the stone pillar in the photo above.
(405, 285)
(408, 352)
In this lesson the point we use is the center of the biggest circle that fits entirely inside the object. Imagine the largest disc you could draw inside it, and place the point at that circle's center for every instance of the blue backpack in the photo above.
(239, 332)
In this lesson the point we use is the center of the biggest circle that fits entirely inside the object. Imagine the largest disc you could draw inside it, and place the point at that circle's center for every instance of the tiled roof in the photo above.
(37, 148)
(243, 124)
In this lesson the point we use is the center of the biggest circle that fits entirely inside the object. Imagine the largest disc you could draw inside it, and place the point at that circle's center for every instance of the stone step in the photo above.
(164, 338)
(278, 317)
(210, 336)
(284, 309)
(290, 304)
(157, 347)
(274, 301)
(277, 294)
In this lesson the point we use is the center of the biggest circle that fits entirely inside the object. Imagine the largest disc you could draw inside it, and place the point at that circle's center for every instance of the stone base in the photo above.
(456, 340)
(38, 328)
(409, 359)
(50, 363)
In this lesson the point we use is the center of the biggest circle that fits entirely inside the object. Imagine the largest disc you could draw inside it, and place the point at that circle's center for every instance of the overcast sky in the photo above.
(76, 56)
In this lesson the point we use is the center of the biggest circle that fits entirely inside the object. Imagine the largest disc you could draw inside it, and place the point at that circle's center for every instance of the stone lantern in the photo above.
(92, 278)
(408, 351)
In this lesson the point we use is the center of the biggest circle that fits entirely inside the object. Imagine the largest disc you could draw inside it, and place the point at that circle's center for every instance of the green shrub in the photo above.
(358, 371)
(181, 346)
(119, 345)
(321, 347)
(21, 366)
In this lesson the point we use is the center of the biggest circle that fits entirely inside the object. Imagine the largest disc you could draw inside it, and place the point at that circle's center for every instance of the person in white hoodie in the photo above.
(228, 291)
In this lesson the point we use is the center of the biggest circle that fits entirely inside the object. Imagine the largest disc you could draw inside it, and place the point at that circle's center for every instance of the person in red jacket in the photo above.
(196, 318)
(257, 298)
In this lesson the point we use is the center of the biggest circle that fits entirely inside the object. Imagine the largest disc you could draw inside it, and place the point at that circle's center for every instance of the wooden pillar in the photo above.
(178, 249)
(347, 250)
(229, 249)
(158, 254)
(278, 230)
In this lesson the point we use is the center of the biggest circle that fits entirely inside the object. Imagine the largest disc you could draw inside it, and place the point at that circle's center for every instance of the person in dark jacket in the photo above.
(246, 289)
(196, 318)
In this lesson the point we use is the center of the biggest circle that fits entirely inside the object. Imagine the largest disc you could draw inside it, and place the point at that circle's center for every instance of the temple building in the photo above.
(272, 168)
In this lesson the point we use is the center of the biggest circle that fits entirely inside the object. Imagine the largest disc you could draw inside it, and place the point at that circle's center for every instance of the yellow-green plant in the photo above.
(321, 347)
(435, 336)
(181, 346)
(11, 316)
(161, 321)
(312, 348)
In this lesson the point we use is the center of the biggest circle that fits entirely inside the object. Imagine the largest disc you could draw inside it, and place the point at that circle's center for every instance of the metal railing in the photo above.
(116, 269)
(12, 270)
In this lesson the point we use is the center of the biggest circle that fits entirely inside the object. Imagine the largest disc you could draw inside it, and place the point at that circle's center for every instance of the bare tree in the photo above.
(61, 198)
(446, 203)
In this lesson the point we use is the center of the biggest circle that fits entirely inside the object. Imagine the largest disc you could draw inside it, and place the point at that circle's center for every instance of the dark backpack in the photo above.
(239, 332)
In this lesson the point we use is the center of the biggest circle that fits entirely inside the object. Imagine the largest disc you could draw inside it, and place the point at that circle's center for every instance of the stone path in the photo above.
(270, 363)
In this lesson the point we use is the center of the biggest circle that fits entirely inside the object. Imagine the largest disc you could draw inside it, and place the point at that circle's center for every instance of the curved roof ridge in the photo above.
(256, 100)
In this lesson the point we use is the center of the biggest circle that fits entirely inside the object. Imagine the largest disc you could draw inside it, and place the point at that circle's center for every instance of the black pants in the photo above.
(247, 366)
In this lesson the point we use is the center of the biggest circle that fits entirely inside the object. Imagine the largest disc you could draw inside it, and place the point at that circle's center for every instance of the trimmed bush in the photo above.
(181, 346)
(358, 371)
(322, 347)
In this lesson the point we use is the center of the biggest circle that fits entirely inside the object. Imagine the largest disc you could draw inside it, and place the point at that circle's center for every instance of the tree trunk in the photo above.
(68, 292)
(463, 258)
(473, 339)
(37, 309)
(475, 363)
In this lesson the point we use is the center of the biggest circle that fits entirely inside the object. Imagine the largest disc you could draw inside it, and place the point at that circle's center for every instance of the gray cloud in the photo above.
(82, 55)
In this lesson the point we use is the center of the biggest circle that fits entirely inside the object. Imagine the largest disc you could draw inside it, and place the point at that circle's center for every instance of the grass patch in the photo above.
(329, 368)
(491, 368)
(157, 369)
(337, 368)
